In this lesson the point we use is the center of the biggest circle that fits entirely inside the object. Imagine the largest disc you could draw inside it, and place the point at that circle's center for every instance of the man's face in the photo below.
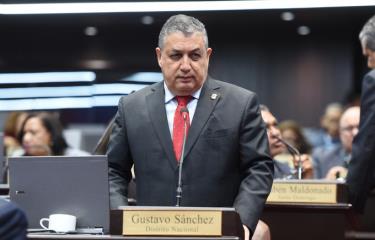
(184, 62)
(273, 133)
(349, 127)
(370, 54)
(331, 121)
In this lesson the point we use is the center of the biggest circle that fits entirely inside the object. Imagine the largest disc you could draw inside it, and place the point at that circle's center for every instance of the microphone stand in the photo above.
(184, 112)
(292, 150)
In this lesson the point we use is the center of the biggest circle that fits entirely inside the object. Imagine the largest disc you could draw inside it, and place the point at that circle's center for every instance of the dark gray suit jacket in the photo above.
(13, 223)
(328, 159)
(226, 162)
(362, 166)
(281, 170)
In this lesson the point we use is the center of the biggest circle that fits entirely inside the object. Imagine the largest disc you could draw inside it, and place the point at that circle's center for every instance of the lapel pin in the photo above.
(213, 96)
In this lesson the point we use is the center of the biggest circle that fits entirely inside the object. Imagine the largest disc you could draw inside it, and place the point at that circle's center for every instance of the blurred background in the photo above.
(78, 65)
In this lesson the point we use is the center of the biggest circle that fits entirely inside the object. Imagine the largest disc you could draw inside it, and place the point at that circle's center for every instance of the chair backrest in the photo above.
(101, 146)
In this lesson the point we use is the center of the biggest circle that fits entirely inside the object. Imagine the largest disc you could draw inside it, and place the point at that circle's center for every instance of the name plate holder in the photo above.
(308, 191)
(176, 222)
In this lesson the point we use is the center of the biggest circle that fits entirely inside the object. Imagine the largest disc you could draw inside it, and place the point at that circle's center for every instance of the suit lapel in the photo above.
(208, 99)
(156, 108)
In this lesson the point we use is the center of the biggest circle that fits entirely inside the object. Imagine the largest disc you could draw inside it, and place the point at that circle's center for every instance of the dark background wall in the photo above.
(296, 76)
(295, 79)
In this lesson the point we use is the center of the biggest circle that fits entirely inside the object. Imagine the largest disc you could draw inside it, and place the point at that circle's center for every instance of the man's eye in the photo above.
(195, 56)
(175, 56)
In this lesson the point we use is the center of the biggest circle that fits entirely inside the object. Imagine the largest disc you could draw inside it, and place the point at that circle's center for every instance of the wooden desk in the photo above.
(364, 227)
(307, 221)
(231, 227)
(117, 237)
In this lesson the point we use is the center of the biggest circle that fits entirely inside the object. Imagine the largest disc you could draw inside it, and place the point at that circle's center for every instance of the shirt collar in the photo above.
(169, 96)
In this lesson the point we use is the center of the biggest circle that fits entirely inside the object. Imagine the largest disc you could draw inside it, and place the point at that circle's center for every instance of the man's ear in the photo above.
(158, 56)
(208, 52)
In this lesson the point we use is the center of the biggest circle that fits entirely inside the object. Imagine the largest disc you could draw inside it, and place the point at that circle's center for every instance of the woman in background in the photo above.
(42, 135)
(291, 132)
(12, 127)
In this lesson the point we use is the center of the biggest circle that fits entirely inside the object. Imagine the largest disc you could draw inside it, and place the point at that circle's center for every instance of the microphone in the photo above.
(184, 112)
(292, 150)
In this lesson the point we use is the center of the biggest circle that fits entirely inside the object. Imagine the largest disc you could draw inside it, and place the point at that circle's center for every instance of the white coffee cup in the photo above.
(59, 222)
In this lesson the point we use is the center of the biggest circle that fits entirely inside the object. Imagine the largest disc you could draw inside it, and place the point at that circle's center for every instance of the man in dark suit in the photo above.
(333, 163)
(282, 169)
(362, 166)
(227, 160)
(13, 222)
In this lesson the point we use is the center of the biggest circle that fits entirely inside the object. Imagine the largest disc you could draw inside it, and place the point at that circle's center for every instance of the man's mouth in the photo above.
(185, 78)
(278, 143)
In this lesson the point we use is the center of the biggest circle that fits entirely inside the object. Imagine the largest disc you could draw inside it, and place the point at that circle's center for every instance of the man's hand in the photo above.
(246, 233)
(307, 166)
(262, 231)
(336, 172)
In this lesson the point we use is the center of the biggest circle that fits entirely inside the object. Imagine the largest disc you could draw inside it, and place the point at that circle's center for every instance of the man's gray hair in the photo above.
(367, 34)
(184, 24)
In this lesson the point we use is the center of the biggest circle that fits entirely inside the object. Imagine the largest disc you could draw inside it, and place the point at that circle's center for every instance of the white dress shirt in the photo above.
(171, 105)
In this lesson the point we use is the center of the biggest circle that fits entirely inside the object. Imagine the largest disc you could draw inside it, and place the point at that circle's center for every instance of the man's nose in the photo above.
(185, 64)
(275, 131)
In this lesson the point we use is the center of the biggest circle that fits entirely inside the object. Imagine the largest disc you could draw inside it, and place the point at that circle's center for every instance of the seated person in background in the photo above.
(13, 223)
(12, 128)
(41, 135)
(282, 170)
(333, 164)
(292, 132)
(329, 139)
(328, 136)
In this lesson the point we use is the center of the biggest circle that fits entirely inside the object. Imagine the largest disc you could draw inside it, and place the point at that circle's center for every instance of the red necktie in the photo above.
(178, 125)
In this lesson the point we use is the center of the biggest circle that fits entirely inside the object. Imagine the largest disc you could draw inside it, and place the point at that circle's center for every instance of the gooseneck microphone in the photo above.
(184, 112)
(292, 150)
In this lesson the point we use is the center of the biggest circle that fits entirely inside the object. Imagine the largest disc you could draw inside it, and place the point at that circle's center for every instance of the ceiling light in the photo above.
(71, 91)
(147, 20)
(96, 64)
(287, 16)
(46, 77)
(176, 6)
(45, 103)
(144, 77)
(303, 30)
(65, 97)
(106, 101)
(59, 103)
(116, 88)
(91, 31)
